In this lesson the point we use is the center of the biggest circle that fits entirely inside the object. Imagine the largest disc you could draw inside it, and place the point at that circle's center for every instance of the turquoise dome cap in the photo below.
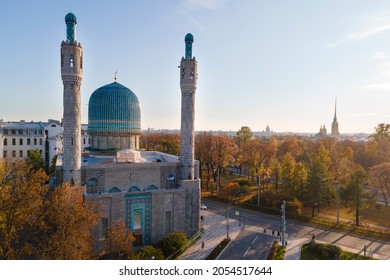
(189, 38)
(70, 18)
(114, 110)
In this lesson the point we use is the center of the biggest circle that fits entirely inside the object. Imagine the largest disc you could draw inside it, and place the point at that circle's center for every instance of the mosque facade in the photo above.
(152, 192)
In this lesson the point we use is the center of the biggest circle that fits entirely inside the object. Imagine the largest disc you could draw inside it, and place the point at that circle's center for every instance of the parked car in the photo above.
(203, 207)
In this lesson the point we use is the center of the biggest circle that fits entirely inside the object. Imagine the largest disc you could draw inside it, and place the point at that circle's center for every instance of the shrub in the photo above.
(217, 250)
(173, 243)
(242, 182)
(327, 251)
(149, 253)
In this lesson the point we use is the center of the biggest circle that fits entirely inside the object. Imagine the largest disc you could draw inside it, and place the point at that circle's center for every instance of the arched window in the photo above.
(114, 190)
(151, 188)
(134, 189)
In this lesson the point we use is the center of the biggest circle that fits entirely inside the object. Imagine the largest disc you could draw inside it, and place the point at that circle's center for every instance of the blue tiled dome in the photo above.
(71, 18)
(114, 110)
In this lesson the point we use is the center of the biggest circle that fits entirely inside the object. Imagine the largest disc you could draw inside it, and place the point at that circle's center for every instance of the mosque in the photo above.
(154, 193)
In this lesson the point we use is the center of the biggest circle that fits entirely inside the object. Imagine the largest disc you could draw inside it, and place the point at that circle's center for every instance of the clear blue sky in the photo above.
(280, 63)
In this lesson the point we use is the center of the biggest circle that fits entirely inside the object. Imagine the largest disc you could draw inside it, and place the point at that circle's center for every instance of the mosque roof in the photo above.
(113, 108)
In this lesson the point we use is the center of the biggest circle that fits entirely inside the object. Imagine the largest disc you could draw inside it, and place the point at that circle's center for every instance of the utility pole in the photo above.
(258, 191)
(283, 212)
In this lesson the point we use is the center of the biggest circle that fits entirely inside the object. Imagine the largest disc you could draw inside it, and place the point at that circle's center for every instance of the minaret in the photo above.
(335, 125)
(72, 74)
(188, 81)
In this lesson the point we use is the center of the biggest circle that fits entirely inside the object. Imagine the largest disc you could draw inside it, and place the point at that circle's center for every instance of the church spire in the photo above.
(335, 124)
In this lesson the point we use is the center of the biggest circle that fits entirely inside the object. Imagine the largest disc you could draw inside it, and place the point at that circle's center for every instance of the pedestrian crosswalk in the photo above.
(263, 230)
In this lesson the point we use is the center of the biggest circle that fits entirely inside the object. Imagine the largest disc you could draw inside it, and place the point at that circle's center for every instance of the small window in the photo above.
(13, 131)
(20, 131)
(35, 141)
(13, 141)
(40, 141)
(5, 154)
(28, 141)
(21, 153)
(28, 153)
(13, 153)
(5, 131)
(84, 141)
(71, 61)
(5, 141)
(21, 141)
(71, 141)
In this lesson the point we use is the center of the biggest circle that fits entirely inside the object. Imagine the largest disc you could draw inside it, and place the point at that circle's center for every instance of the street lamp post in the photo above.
(338, 205)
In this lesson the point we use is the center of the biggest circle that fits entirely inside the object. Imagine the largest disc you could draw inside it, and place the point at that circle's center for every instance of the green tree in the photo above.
(382, 132)
(356, 195)
(52, 169)
(243, 136)
(149, 253)
(173, 243)
(318, 187)
(35, 159)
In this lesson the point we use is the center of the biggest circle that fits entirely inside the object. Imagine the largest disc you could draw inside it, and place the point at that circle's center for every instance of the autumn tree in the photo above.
(68, 219)
(21, 203)
(38, 223)
(203, 144)
(379, 180)
(355, 195)
(119, 241)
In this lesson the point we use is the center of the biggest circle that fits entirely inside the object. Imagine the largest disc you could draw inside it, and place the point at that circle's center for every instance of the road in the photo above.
(255, 222)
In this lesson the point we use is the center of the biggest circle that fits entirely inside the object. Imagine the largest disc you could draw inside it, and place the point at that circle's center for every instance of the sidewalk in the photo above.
(293, 248)
(214, 232)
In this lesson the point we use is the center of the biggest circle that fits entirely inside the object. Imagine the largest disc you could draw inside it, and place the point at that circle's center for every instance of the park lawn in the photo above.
(377, 215)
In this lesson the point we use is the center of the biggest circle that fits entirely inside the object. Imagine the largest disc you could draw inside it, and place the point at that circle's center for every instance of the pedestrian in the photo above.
(202, 244)
(201, 217)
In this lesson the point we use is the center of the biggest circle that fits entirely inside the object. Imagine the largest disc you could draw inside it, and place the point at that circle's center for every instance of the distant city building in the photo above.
(19, 138)
(335, 125)
(322, 133)
(153, 193)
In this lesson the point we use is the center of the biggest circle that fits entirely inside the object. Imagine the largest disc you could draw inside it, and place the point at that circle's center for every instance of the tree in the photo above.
(319, 178)
(243, 136)
(173, 243)
(380, 180)
(149, 253)
(68, 220)
(52, 169)
(355, 195)
(35, 159)
(119, 241)
(382, 132)
(21, 202)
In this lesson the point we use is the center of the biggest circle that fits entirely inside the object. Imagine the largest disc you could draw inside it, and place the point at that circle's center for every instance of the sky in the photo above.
(260, 62)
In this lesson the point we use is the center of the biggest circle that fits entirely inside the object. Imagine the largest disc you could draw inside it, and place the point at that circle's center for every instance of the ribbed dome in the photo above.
(113, 110)
(71, 18)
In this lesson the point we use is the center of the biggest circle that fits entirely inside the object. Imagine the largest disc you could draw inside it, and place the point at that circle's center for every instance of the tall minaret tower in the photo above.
(188, 81)
(335, 125)
(72, 74)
